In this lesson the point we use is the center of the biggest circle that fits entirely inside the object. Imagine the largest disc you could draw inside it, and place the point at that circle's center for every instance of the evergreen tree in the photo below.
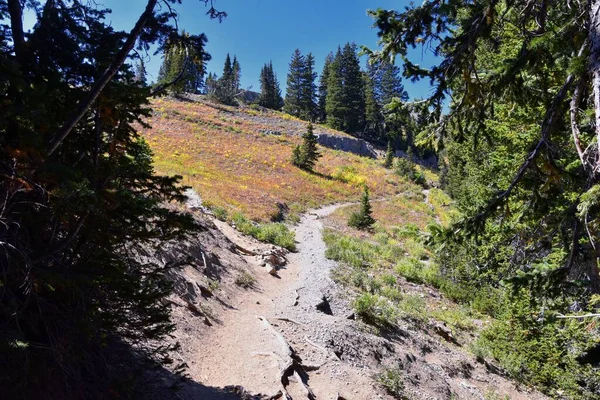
(184, 64)
(374, 119)
(389, 156)
(345, 103)
(321, 106)
(309, 89)
(236, 71)
(352, 89)
(211, 84)
(270, 93)
(363, 219)
(306, 155)
(140, 72)
(82, 314)
(310, 152)
(295, 85)
(335, 106)
(227, 85)
(389, 83)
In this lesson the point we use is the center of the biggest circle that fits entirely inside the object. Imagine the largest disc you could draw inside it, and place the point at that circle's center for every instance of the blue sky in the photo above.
(257, 31)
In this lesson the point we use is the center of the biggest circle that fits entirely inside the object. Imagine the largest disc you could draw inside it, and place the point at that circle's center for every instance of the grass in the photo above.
(245, 280)
(392, 379)
(274, 232)
(221, 152)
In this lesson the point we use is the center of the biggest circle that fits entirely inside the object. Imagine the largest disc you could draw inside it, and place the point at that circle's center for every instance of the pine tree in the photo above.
(363, 219)
(374, 119)
(83, 316)
(293, 97)
(236, 80)
(309, 89)
(184, 64)
(225, 88)
(270, 93)
(389, 156)
(321, 106)
(335, 106)
(306, 155)
(140, 72)
(310, 152)
(352, 89)
(389, 84)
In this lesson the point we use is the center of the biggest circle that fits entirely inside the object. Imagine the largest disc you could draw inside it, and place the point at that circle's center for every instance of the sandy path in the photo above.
(242, 350)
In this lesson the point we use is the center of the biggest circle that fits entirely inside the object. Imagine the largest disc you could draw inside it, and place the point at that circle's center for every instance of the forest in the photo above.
(92, 181)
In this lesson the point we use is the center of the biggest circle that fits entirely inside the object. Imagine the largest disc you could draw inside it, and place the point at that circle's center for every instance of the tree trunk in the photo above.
(16, 26)
(594, 39)
(106, 77)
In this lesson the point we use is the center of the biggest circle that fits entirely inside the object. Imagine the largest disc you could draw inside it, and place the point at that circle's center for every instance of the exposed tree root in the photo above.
(292, 366)
(245, 251)
(293, 321)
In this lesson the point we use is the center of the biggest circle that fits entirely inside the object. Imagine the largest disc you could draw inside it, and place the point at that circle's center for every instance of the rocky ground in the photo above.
(257, 322)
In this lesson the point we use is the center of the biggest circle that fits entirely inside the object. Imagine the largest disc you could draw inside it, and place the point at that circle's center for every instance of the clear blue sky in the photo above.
(257, 31)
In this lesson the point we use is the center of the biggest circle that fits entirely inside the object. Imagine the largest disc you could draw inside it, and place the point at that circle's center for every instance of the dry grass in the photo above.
(221, 152)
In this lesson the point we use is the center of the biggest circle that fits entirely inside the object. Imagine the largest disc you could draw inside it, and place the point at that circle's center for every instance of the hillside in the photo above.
(357, 314)
(239, 159)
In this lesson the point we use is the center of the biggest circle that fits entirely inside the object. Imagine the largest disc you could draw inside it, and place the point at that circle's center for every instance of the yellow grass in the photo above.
(221, 152)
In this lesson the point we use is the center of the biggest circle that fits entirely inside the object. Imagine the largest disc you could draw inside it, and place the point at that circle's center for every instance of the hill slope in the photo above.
(233, 159)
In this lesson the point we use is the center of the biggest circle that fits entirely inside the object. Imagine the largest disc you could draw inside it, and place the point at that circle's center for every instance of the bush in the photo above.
(407, 168)
(245, 280)
(375, 310)
(392, 380)
(275, 232)
(363, 219)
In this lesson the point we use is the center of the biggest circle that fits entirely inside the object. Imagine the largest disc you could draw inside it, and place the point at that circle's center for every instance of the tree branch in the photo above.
(574, 112)
(110, 72)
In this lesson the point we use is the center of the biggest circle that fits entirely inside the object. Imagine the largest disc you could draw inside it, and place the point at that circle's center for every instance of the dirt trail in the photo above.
(300, 322)
(244, 350)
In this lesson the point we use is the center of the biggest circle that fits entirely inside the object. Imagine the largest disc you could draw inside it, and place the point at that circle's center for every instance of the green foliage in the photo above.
(363, 219)
(534, 347)
(82, 313)
(275, 232)
(226, 88)
(392, 379)
(389, 156)
(300, 97)
(245, 280)
(270, 93)
(407, 168)
(345, 103)
(375, 310)
(306, 155)
(184, 64)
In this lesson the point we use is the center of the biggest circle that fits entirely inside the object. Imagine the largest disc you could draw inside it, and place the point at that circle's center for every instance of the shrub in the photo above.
(245, 280)
(363, 219)
(375, 310)
(392, 380)
(275, 232)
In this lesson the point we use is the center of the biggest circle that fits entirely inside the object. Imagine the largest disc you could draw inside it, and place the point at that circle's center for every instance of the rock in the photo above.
(273, 272)
(348, 144)
(351, 316)
(324, 306)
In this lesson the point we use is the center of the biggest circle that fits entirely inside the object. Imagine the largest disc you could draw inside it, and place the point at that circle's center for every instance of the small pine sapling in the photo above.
(389, 156)
(363, 219)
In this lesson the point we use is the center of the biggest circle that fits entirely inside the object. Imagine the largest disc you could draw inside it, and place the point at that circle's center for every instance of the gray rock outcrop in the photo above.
(345, 143)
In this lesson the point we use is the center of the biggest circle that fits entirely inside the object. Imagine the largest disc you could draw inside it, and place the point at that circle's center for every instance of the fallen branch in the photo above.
(245, 251)
(293, 321)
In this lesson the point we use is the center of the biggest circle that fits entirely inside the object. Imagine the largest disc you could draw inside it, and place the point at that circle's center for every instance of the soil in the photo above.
(236, 341)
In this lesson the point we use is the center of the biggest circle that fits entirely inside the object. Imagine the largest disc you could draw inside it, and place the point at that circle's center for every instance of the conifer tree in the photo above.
(309, 89)
(236, 79)
(335, 106)
(374, 119)
(352, 89)
(306, 155)
(270, 93)
(363, 218)
(310, 152)
(184, 64)
(295, 84)
(321, 105)
(389, 156)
